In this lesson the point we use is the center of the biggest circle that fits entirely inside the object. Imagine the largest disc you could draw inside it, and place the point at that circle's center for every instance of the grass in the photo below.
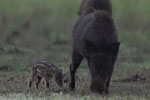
(68, 97)
(34, 30)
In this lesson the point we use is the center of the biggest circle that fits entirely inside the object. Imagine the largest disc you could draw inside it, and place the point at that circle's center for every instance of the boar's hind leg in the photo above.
(76, 60)
(38, 81)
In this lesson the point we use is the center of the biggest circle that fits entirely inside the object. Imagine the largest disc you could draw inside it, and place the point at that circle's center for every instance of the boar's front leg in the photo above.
(107, 87)
(76, 60)
(107, 84)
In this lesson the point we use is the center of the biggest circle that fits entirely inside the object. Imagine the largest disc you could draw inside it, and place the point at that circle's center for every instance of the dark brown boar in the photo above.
(95, 39)
(96, 4)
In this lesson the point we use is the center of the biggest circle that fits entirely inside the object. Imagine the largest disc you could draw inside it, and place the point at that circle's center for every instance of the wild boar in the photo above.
(45, 71)
(95, 38)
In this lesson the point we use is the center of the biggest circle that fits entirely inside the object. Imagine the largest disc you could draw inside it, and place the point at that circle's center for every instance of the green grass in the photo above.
(34, 30)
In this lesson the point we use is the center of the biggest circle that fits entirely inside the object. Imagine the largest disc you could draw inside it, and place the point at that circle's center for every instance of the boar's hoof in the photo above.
(72, 86)
(97, 89)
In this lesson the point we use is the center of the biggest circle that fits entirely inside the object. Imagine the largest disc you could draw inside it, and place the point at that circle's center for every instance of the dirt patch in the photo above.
(133, 78)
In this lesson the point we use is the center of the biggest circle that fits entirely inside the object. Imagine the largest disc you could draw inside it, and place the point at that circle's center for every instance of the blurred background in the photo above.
(33, 30)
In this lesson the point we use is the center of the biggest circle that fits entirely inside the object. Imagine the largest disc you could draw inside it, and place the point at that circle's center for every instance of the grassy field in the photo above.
(34, 30)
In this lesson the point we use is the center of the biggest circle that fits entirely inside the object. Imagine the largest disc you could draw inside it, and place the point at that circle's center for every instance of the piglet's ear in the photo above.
(89, 46)
(114, 48)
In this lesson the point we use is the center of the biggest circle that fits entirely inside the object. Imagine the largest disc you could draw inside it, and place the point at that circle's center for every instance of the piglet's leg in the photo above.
(38, 81)
(47, 82)
(29, 82)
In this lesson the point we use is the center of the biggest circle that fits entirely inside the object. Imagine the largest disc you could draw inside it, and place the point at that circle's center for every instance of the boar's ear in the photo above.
(89, 46)
(89, 10)
(114, 48)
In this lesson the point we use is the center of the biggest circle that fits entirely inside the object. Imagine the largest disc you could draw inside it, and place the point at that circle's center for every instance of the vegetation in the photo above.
(34, 30)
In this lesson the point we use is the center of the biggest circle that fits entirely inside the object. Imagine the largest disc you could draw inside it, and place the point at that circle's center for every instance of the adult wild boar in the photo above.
(95, 39)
